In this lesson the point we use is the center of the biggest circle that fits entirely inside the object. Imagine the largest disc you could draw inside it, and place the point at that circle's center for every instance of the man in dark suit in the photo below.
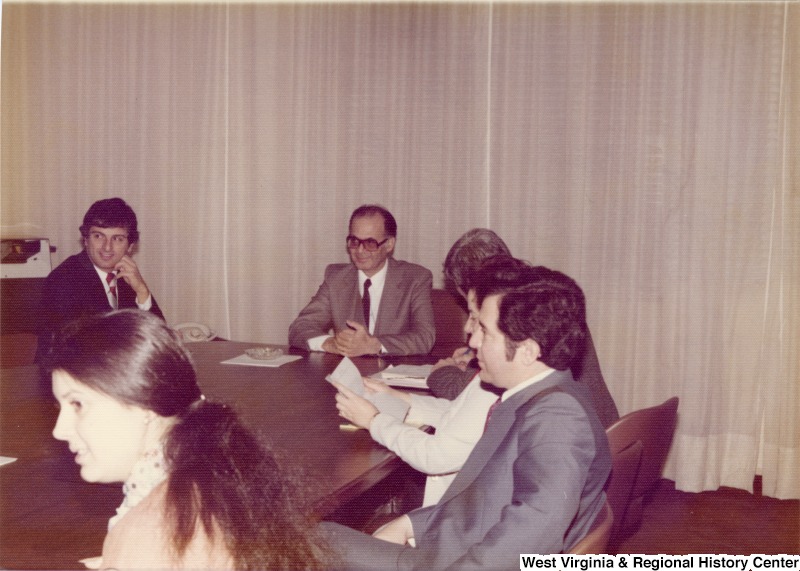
(375, 304)
(451, 375)
(101, 278)
(534, 481)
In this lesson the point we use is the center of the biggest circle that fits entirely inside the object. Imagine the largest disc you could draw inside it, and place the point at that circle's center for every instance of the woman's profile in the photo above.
(201, 491)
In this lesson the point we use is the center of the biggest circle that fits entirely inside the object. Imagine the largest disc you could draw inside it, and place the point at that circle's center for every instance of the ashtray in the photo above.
(264, 353)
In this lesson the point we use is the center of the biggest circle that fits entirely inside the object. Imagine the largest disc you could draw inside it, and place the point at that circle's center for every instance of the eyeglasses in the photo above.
(370, 244)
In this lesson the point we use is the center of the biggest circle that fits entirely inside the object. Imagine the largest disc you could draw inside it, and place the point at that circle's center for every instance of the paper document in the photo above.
(410, 376)
(276, 362)
(347, 374)
(6, 460)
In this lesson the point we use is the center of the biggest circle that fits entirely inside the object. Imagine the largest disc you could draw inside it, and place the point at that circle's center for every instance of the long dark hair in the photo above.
(220, 475)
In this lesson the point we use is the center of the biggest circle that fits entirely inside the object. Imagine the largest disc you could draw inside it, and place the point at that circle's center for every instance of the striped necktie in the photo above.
(489, 414)
(111, 279)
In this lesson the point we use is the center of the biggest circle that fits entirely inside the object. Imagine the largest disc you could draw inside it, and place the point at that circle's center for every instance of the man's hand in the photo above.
(329, 346)
(397, 531)
(461, 358)
(129, 271)
(92, 562)
(357, 410)
(356, 341)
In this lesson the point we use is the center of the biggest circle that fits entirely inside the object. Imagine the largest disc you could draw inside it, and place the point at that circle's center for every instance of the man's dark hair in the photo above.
(389, 223)
(111, 213)
(536, 303)
(468, 254)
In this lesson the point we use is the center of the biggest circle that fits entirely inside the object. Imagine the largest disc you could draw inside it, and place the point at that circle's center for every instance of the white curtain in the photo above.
(647, 149)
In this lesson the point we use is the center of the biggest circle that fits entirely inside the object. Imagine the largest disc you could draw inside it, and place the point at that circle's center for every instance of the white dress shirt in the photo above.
(375, 295)
(459, 425)
(148, 303)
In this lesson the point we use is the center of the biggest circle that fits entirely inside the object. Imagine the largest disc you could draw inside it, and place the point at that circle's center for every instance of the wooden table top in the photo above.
(50, 518)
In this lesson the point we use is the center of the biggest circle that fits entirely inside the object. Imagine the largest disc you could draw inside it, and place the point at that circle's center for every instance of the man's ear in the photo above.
(529, 351)
(390, 245)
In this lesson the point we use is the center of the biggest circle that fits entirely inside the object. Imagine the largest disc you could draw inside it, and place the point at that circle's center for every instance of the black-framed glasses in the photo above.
(370, 244)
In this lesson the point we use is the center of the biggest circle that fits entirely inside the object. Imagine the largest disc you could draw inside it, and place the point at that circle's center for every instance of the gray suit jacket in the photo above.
(532, 484)
(405, 317)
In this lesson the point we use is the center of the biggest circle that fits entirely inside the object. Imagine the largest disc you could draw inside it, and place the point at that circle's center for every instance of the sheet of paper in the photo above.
(276, 362)
(6, 460)
(407, 371)
(347, 374)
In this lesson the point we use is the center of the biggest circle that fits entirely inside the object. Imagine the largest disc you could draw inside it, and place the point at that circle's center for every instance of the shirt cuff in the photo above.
(147, 305)
(315, 343)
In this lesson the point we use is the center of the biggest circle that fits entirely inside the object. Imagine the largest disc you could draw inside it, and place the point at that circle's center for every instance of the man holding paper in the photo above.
(459, 423)
(375, 304)
(534, 481)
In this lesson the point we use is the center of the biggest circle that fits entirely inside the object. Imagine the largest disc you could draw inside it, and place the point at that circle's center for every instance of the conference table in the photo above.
(50, 518)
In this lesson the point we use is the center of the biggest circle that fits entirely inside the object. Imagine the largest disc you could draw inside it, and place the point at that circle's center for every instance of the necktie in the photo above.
(365, 302)
(489, 414)
(112, 288)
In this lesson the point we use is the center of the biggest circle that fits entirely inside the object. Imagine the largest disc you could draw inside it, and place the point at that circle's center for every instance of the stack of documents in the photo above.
(411, 376)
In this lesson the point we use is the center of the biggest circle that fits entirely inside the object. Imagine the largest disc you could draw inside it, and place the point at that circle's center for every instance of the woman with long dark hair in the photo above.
(201, 491)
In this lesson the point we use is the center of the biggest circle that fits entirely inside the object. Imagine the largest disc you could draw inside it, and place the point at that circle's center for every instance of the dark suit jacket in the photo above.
(405, 317)
(448, 382)
(74, 290)
(532, 484)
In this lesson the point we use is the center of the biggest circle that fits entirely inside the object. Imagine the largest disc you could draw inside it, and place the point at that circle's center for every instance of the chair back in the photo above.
(619, 488)
(449, 318)
(654, 427)
(596, 541)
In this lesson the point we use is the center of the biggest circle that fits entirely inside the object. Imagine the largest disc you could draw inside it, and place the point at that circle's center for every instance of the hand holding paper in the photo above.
(348, 376)
(354, 408)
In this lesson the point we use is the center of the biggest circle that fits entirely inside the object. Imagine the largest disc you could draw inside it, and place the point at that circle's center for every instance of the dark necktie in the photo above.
(112, 288)
(365, 303)
(489, 414)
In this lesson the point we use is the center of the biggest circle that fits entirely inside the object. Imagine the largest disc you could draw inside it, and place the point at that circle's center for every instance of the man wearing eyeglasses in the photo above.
(373, 305)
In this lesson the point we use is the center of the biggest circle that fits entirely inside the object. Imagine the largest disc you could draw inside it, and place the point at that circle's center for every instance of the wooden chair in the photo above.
(596, 541)
(449, 318)
(654, 427)
(619, 488)
(17, 349)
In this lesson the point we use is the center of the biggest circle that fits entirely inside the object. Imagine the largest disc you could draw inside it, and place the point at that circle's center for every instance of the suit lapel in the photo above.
(503, 418)
(389, 298)
(349, 296)
(96, 288)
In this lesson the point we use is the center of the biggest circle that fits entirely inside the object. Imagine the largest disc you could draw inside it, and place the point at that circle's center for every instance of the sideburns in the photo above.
(511, 348)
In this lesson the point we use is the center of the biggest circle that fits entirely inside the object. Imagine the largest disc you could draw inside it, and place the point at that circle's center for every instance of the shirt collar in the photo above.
(102, 274)
(525, 384)
(377, 280)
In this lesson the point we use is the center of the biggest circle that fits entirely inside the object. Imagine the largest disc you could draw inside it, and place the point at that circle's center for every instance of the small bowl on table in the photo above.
(264, 353)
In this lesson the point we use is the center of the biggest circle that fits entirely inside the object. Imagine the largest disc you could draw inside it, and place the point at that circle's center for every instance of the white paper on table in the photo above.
(347, 374)
(276, 362)
(6, 460)
(409, 376)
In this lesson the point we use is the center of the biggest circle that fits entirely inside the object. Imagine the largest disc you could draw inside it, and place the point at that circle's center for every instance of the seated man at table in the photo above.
(375, 304)
(534, 481)
(101, 278)
(451, 375)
